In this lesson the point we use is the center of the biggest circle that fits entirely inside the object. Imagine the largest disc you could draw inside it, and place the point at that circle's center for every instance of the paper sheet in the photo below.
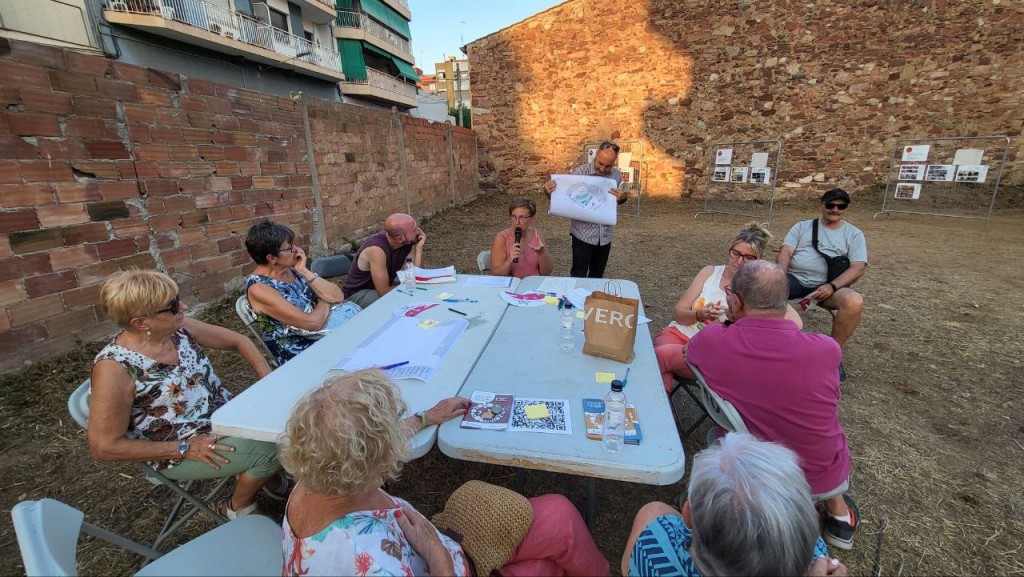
(559, 420)
(557, 284)
(401, 339)
(584, 198)
(435, 275)
(495, 281)
(524, 299)
(537, 411)
(413, 309)
(604, 377)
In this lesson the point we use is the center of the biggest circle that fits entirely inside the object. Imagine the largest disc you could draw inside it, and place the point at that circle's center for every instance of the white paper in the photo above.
(723, 156)
(591, 153)
(759, 160)
(402, 339)
(527, 299)
(557, 284)
(971, 173)
(623, 160)
(584, 198)
(911, 172)
(968, 156)
(916, 153)
(721, 174)
(761, 175)
(940, 173)
(578, 297)
(739, 174)
(560, 421)
(908, 190)
(435, 275)
(493, 281)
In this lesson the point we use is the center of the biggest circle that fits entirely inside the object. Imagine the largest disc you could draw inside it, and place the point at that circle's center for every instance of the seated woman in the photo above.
(153, 391)
(530, 250)
(704, 302)
(748, 511)
(287, 298)
(342, 442)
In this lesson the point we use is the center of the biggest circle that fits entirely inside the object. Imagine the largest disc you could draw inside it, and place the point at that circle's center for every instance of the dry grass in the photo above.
(931, 406)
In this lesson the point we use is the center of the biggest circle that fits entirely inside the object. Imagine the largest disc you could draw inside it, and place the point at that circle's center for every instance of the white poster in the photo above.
(721, 174)
(911, 172)
(939, 173)
(759, 160)
(916, 153)
(591, 153)
(739, 174)
(624, 160)
(968, 156)
(584, 198)
(971, 173)
(908, 190)
(761, 175)
(723, 156)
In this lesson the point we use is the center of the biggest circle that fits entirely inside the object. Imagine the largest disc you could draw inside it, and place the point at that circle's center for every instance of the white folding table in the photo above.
(261, 411)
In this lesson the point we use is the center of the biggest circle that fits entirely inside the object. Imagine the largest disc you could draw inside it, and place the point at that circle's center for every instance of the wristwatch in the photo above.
(183, 448)
(423, 419)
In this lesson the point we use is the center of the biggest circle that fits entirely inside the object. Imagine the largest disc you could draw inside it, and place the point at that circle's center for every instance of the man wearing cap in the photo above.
(807, 269)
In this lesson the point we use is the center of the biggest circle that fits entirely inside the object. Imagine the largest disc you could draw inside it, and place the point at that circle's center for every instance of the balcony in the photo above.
(383, 87)
(400, 6)
(319, 11)
(213, 26)
(358, 26)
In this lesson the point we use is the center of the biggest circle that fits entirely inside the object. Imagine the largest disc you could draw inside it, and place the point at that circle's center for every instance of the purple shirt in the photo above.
(357, 280)
(785, 385)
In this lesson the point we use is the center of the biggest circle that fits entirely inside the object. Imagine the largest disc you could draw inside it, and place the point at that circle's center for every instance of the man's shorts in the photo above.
(797, 290)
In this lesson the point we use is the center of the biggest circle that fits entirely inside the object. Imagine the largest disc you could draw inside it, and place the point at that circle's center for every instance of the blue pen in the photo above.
(460, 300)
(625, 378)
(419, 288)
(391, 366)
(405, 292)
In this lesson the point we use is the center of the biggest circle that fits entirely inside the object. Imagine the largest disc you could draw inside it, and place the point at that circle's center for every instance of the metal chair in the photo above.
(244, 312)
(687, 386)
(48, 532)
(483, 261)
(332, 266)
(78, 406)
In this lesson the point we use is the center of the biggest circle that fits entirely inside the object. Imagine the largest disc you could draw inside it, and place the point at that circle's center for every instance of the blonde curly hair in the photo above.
(346, 436)
(756, 236)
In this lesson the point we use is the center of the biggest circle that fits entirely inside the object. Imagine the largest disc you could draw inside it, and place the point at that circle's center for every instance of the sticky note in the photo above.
(539, 411)
(428, 323)
(579, 314)
(604, 377)
(445, 296)
(551, 300)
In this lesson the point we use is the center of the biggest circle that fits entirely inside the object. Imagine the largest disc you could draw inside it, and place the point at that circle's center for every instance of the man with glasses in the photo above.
(376, 264)
(807, 269)
(592, 243)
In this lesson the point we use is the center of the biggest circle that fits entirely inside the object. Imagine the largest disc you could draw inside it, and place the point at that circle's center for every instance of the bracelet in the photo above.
(313, 278)
(696, 315)
(834, 289)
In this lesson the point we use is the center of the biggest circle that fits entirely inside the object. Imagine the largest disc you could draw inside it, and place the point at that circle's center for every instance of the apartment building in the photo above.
(376, 51)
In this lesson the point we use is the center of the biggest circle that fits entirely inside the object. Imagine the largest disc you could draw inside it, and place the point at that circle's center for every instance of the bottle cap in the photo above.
(617, 385)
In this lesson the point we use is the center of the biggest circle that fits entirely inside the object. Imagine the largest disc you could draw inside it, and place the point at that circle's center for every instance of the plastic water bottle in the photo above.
(567, 342)
(614, 418)
(408, 275)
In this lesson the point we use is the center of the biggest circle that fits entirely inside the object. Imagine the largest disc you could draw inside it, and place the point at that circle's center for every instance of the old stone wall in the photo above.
(837, 82)
(106, 166)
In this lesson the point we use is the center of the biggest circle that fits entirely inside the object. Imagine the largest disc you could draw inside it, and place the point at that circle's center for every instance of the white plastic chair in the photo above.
(244, 312)
(332, 266)
(48, 533)
(483, 261)
(720, 410)
(78, 406)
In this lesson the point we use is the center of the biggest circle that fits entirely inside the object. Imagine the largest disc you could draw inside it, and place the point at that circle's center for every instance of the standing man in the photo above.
(380, 257)
(591, 243)
(806, 269)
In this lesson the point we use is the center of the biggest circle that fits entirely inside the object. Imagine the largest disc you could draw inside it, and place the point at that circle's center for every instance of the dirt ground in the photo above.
(931, 406)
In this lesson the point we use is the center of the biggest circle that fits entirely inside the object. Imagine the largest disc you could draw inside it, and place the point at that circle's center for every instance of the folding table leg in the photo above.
(590, 511)
(520, 480)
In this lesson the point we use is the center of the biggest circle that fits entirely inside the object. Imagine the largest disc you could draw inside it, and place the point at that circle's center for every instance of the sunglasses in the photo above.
(733, 253)
(172, 308)
(611, 145)
(836, 206)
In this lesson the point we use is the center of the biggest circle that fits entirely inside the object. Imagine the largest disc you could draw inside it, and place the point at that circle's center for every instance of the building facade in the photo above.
(452, 81)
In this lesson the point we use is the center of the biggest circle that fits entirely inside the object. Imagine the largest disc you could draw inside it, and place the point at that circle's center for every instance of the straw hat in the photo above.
(492, 521)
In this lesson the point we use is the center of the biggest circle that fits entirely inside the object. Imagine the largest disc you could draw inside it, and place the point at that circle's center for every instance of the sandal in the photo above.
(285, 484)
(224, 508)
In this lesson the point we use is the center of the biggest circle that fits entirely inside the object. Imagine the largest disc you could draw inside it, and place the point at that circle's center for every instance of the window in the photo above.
(309, 36)
(279, 20)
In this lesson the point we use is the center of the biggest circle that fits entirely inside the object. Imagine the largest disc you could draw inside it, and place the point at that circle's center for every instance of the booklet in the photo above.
(488, 411)
(593, 416)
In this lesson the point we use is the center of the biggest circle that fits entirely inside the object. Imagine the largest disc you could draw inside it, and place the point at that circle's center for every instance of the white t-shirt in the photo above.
(807, 265)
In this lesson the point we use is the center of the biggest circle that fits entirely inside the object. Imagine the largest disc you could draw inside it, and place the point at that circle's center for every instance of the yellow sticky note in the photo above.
(551, 300)
(579, 314)
(445, 296)
(428, 323)
(604, 377)
(539, 411)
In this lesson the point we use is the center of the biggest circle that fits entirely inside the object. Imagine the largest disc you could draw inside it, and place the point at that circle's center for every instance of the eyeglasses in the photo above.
(286, 249)
(172, 308)
(835, 206)
(728, 291)
(609, 144)
(517, 218)
(733, 253)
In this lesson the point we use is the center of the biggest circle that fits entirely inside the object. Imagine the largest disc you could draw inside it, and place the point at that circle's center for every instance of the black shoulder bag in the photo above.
(837, 265)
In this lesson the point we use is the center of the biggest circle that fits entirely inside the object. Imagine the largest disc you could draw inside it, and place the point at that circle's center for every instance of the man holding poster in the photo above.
(591, 242)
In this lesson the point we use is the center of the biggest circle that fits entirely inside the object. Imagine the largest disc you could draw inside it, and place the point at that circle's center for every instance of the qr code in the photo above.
(557, 422)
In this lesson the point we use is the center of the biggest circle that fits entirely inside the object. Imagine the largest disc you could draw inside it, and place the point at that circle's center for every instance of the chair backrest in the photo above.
(78, 403)
(483, 261)
(47, 536)
(332, 266)
(248, 317)
(719, 409)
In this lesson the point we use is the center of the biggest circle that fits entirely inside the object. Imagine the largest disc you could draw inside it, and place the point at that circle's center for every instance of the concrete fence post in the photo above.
(318, 239)
(404, 174)
(451, 163)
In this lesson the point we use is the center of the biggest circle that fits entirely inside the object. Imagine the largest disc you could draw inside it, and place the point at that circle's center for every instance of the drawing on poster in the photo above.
(723, 156)
(739, 174)
(721, 174)
(761, 175)
(916, 153)
(911, 172)
(908, 191)
(971, 173)
(939, 173)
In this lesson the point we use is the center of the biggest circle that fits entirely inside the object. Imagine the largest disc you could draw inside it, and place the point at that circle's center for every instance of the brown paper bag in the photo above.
(609, 326)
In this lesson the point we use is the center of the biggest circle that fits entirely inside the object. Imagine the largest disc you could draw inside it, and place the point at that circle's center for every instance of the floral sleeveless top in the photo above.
(283, 345)
(172, 403)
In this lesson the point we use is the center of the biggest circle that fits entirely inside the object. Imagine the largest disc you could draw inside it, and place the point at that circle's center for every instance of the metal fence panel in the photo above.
(955, 176)
(633, 170)
(735, 186)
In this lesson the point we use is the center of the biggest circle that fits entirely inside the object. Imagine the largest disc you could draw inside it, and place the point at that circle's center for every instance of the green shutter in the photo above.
(378, 51)
(405, 69)
(387, 16)
(352, 63)
(343, 4)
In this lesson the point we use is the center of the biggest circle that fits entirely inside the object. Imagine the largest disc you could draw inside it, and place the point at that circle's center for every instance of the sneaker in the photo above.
(842, 372)
(840, 533)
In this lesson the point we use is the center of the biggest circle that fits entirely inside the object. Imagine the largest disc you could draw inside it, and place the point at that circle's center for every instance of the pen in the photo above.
(625, 378)
(404, 292)
(455, 311)
(419, 288)
(391, 366)
(460, 300)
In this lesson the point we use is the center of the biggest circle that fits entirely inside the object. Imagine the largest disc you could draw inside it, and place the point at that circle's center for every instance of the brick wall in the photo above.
(837, 82)
(106, 166)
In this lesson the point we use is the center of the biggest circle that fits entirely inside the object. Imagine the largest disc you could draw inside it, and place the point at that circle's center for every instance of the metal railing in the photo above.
(385, 81)
(218, 19)
(353, 19)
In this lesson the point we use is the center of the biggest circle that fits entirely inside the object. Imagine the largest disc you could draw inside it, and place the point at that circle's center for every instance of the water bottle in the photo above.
(567, 342)
(408, 275)
(614, 418)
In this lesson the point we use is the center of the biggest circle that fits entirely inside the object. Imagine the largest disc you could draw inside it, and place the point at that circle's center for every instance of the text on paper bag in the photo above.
(607, 317)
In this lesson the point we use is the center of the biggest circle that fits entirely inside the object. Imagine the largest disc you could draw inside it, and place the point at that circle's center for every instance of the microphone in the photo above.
(519, 237)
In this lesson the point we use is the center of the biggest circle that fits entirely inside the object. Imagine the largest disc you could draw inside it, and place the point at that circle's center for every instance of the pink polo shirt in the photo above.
(785, 385)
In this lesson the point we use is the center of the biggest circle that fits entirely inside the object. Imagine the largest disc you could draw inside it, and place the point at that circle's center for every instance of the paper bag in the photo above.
(609, 326)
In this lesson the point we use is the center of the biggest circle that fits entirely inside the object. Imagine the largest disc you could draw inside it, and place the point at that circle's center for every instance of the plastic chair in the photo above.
(687, 386)
(332, 266)
(719, 409)
(244, 312)
(78, 406)
(48, 532)
(483, 261)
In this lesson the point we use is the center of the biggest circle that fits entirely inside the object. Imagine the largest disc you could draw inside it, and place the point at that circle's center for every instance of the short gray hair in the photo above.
(751, 510)
(761, 285)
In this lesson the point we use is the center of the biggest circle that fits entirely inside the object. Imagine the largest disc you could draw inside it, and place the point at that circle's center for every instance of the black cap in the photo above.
(616, 385)
(834, 194)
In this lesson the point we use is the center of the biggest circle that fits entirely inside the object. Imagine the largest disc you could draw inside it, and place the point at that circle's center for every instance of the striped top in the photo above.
(589, 232)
